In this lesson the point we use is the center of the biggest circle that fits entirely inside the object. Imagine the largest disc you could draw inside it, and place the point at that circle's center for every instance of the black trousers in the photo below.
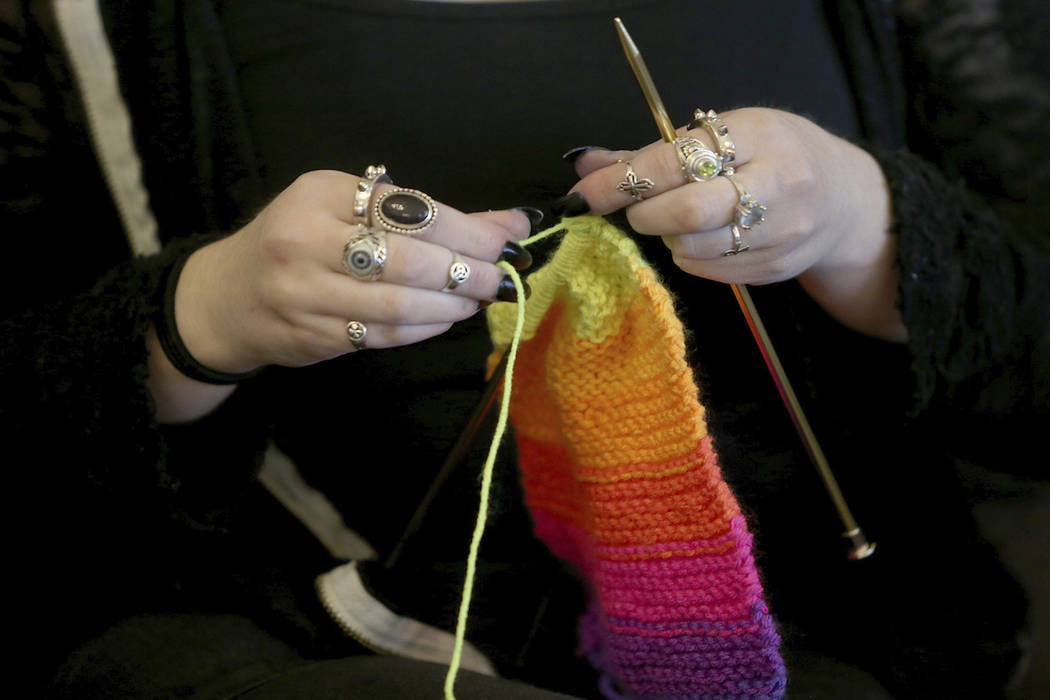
(213, 657)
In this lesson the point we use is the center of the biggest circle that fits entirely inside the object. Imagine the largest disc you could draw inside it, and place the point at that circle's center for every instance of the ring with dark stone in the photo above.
(402, 210)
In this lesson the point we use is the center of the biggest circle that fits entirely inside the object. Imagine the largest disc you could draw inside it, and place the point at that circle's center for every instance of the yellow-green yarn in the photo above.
(486, 484)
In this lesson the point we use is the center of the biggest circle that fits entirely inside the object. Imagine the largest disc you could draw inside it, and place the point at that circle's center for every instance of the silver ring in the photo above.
(458, 273)
(356, 332)
(364, 255)
(719, 132)
(374, 174)
(699, 163)
(402, 210)
(633, 185)
(748, 211)
(738, 243)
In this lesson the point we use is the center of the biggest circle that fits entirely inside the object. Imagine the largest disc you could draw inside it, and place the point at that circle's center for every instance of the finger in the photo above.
(705, 206)
(324, 337)
(598, 158)
(337, 294)
(653, 170)
(425, 265)
(481, 237)
(761, 263)
(381, 335)
(519, 222)
(708, 247)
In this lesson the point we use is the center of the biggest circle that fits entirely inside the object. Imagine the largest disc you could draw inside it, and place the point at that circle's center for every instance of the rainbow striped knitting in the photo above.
(622, 480)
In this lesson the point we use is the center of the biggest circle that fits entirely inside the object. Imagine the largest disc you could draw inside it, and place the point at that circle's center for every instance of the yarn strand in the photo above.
(486, 477)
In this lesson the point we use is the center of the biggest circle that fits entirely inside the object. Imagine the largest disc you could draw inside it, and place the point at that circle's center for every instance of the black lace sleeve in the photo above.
(971, 204)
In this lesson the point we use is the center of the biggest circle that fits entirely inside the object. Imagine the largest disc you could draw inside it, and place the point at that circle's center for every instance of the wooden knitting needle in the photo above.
(859, 545)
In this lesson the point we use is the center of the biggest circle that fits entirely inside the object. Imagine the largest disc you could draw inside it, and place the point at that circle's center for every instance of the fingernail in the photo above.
(572, 204)
(572, 154)
(508, 292)
(517, 256)
(484, 305)
(535, 217)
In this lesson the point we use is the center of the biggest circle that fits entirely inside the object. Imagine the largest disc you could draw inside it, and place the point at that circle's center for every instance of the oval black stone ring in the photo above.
(402, 210)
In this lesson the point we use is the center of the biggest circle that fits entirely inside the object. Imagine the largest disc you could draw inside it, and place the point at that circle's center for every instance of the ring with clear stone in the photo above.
(748, 211)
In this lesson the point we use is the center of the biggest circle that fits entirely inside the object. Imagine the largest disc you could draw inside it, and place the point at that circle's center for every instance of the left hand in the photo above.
(827, 221)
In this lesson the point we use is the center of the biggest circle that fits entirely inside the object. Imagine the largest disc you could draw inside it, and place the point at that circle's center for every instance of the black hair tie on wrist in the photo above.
(175, 349)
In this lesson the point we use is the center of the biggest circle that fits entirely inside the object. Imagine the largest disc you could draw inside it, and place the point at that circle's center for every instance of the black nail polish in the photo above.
(572, 154)
(535, 217)
(518, 257)
(572, 204)
(508, 292)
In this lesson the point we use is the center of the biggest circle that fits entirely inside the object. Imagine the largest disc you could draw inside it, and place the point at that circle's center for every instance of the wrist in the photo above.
(196, 347)
(856, 280)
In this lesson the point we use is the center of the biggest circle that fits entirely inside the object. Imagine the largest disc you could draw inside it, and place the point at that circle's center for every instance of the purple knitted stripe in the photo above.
(718, 659)
(771, 688)
(759, 620)
(759, 640)
(676, 660)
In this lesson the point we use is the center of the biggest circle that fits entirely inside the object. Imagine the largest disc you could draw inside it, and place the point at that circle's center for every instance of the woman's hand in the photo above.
(277, 292)
(827, 220)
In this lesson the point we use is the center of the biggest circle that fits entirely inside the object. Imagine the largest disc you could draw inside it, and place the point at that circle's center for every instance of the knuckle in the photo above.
(281, 292)
(800, 179)
(693, 215)
(485, 280)
(683, 249)
(395, 306)
(412, 263)
(667, 168)
(769, 124)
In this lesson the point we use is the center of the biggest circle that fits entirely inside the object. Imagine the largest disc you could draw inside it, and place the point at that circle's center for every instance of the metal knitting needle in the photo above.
(859, 545)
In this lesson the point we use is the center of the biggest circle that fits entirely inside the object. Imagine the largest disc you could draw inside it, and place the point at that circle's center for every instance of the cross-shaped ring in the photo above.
(633, 185)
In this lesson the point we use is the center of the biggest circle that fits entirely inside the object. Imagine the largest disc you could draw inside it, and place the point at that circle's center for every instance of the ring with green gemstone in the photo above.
(699, 163)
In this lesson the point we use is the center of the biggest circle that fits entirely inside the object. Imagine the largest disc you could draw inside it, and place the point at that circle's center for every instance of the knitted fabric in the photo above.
(622, 480)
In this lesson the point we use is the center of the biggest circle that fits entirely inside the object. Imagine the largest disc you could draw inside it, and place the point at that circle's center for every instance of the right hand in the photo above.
(276, 292)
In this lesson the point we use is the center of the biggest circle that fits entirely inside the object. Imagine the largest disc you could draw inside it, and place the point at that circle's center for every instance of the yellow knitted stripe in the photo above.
(596, 265)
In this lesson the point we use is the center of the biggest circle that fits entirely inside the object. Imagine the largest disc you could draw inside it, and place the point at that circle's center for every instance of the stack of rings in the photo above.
(399, 210)
(748, 212)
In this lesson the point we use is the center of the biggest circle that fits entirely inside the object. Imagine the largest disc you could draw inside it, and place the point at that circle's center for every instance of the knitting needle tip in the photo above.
(860, 548)
(645, 81)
